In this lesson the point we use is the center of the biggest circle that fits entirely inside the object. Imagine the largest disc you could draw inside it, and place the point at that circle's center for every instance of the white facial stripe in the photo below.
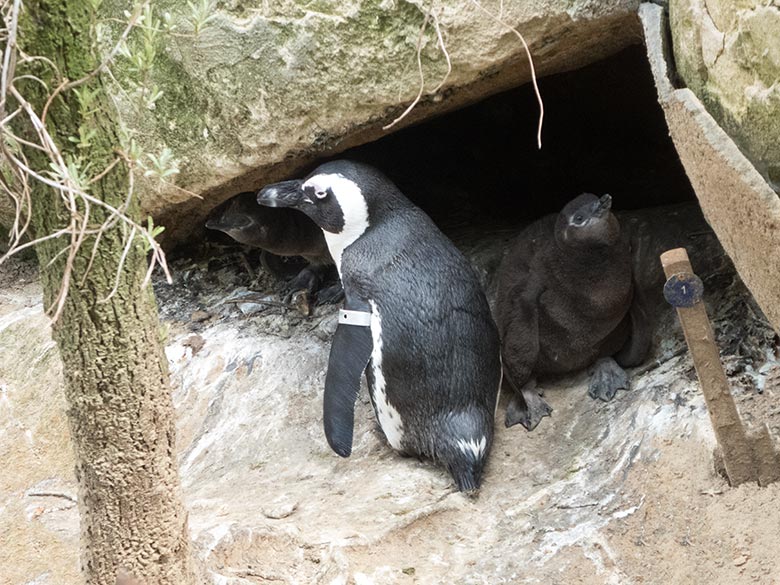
(388, 416)
(477, 449)
(353, 207)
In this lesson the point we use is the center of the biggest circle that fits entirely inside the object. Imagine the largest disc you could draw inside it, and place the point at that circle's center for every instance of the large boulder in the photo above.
(728, 53)
(265, 88)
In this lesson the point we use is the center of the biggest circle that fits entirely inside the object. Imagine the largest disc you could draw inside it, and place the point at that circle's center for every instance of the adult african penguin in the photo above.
(415, 319)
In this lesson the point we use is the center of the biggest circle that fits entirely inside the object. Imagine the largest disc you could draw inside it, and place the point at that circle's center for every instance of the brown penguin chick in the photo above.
(564, 303)
(282, 232)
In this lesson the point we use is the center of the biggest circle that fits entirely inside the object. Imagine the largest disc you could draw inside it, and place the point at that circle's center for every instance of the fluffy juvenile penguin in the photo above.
(565, 302)
(283, 232)
(415, 320)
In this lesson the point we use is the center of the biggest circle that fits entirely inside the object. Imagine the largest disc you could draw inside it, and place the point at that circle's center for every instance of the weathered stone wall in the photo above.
(739, 205)
(728, 53)
(267, 87)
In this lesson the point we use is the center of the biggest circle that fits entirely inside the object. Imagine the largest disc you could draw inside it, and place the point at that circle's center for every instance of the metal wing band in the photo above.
(358, 318)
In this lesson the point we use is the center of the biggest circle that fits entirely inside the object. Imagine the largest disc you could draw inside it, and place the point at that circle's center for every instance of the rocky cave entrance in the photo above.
(604, 132)
(479, 167)
(478, 172)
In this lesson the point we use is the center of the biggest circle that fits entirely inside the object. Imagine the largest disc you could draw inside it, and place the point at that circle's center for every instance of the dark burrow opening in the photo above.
(480, 175)
(604, 132)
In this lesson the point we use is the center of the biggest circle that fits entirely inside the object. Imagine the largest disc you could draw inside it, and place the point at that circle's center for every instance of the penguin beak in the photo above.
(603, 206)
(284, 194)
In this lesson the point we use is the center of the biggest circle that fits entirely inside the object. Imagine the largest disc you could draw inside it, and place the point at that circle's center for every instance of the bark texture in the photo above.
(117, 388)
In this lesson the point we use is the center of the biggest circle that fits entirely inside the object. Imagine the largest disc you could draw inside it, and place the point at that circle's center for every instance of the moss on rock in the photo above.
(267, 87)
(728, 53)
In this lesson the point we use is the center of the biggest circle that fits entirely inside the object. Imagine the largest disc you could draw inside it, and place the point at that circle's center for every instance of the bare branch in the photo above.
(443, 48)
(9, 57)
(119, 267)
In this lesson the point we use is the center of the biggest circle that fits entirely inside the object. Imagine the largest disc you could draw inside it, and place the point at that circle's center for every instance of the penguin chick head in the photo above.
(587, 221)
(240, 218)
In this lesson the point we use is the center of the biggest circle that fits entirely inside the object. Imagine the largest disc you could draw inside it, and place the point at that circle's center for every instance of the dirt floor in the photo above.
(616, 493)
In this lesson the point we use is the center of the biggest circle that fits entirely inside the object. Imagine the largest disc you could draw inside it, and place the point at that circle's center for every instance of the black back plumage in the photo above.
(440, 347)
(435, 318)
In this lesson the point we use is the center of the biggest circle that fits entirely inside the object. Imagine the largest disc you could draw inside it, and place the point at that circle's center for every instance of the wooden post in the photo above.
(683, 290)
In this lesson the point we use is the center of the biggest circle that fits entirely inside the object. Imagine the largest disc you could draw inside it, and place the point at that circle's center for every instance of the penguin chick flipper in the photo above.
(606, 379)
(349, 355)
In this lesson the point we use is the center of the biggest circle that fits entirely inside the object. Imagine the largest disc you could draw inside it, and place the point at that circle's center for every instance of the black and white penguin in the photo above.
(566, 302)
(279, 232)
(415, 319)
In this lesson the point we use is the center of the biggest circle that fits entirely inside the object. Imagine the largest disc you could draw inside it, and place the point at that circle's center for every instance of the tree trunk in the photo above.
(117, 388)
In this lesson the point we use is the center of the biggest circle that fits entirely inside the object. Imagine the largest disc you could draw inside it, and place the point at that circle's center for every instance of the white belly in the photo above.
(388, 416)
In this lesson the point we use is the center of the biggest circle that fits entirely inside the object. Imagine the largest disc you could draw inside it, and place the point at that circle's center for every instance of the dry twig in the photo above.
(499, 19)
(432, 16)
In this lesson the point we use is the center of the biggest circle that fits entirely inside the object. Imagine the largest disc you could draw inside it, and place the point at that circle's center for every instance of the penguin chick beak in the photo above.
(603, 206)
(284, 194)
(223, 224)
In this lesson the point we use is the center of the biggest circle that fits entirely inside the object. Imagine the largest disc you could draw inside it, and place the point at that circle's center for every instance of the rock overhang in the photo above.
(262, 92)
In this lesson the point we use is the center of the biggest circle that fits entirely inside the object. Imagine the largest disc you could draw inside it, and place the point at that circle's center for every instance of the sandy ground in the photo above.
(616, 493)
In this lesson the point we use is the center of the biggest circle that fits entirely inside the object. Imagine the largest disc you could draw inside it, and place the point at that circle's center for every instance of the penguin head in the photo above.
(340, 196)
(239, 218)
(587, 221)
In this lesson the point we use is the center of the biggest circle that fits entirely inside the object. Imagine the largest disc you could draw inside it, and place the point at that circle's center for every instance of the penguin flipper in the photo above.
(349, 355)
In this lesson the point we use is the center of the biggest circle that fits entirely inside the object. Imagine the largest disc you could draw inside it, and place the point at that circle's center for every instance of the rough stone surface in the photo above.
(268, 87)
(738, 203)
(728, 53)
(600, 493)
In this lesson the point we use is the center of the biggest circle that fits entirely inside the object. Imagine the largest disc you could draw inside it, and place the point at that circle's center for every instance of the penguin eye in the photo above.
(318, 192)
(578, 219)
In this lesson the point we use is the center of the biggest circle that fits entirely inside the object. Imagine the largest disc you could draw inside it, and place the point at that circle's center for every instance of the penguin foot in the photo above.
(301, 301)
(330, 295)
(528, 412)
(606, 379)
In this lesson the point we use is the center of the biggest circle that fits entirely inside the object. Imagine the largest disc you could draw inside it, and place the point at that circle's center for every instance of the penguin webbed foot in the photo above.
(307, 280)
(330, 295)
(606, 378)
(528, 409)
